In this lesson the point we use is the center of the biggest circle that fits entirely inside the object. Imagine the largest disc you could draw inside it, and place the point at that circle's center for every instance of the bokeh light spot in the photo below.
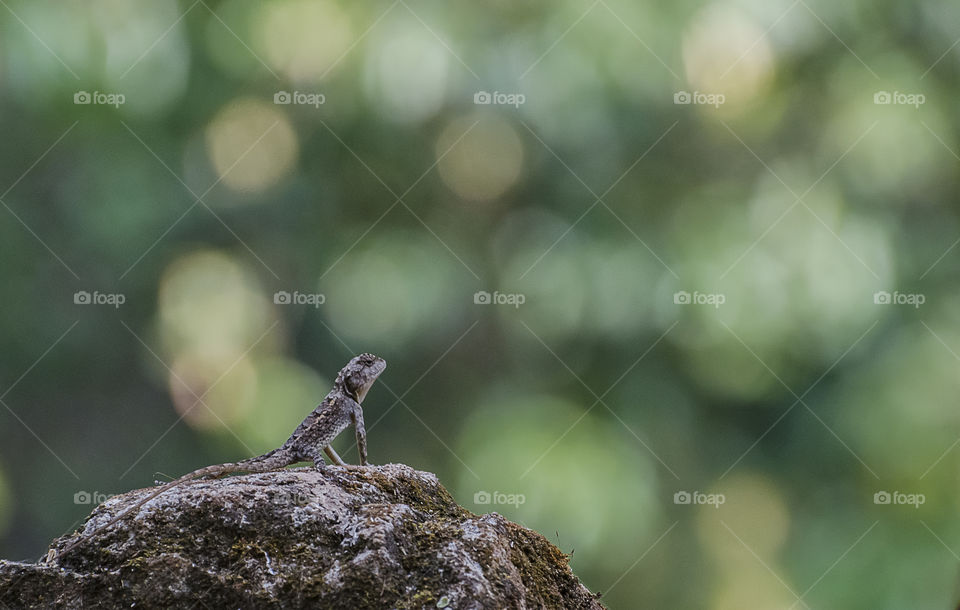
(6, 503)
(303, 39)
(251, 145)
(485, 162)
(725, 52)
(151, 82)
(286, 391)
(408, 75)
(512, 445)
(208, 300)
(212, 390)
(755, 509)
(398, 288)
(212, 322)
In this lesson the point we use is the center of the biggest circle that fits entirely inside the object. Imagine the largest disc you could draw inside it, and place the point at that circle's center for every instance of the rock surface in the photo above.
(365, 537)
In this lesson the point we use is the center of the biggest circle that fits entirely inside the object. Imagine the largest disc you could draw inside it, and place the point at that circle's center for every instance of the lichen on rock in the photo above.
(359, 537)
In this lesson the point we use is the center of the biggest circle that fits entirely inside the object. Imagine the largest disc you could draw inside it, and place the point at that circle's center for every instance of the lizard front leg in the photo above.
(357, 417)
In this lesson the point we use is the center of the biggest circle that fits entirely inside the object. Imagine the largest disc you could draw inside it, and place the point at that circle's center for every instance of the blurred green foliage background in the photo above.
(813, 170)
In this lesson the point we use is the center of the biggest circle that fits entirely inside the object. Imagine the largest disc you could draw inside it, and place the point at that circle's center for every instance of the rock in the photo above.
(361, 537)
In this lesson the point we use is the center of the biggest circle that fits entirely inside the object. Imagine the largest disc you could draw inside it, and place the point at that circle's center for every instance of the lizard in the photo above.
(312, 438)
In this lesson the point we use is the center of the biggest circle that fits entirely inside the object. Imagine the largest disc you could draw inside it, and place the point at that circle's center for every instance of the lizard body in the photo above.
(312, 438)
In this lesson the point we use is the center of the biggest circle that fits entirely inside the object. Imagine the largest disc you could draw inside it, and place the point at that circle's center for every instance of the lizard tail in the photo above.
(271, 460)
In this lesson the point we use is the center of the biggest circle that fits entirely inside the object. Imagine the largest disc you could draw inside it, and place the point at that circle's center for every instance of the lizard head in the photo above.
(360, 373)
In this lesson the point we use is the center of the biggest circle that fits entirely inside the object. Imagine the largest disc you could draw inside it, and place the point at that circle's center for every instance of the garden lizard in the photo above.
(309, 441)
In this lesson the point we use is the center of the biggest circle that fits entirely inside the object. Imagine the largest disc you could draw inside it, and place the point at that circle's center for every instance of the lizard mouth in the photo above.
(362, 390)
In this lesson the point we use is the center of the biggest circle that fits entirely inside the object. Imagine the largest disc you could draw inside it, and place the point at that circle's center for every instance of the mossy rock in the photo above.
(361, 537)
